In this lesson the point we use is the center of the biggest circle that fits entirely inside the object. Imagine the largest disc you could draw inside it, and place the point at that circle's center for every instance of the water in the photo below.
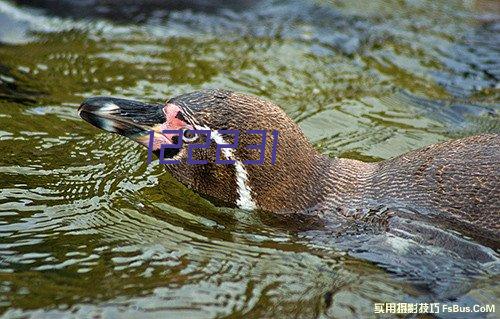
(87, 228)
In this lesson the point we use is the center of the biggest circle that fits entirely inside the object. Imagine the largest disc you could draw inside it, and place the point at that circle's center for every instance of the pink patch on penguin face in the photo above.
(172, 122)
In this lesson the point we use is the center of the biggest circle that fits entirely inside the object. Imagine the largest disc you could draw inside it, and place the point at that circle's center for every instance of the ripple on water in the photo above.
(88, 229)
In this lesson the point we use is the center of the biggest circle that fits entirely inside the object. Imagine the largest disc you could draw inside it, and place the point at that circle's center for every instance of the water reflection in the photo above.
(87, 228)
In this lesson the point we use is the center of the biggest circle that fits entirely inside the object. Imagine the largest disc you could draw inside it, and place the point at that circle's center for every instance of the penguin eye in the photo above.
(188, 136)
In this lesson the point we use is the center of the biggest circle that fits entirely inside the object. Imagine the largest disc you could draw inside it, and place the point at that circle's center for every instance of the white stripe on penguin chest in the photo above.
(244, 191)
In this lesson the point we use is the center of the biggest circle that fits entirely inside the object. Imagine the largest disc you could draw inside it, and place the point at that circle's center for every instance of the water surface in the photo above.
(87, 228)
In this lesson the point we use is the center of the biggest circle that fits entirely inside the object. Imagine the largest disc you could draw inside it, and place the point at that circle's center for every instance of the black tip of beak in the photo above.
(125, 117)
(111, 105)
(99, 104)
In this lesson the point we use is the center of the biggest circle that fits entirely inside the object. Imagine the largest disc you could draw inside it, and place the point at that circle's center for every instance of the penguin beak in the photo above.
(129, 118)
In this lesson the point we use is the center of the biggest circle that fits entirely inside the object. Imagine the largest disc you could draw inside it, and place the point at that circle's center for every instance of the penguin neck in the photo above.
(305, 181)
(297, 181)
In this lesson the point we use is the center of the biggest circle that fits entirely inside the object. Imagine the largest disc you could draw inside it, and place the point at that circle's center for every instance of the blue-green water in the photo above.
(88, 229)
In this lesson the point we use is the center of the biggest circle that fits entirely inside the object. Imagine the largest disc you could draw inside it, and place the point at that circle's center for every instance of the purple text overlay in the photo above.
(179, 137)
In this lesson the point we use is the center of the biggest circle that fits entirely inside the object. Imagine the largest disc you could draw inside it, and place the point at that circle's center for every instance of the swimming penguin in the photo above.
(455, 183)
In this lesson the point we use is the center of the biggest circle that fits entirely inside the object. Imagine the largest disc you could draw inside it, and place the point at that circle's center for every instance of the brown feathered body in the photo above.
(454, 184)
